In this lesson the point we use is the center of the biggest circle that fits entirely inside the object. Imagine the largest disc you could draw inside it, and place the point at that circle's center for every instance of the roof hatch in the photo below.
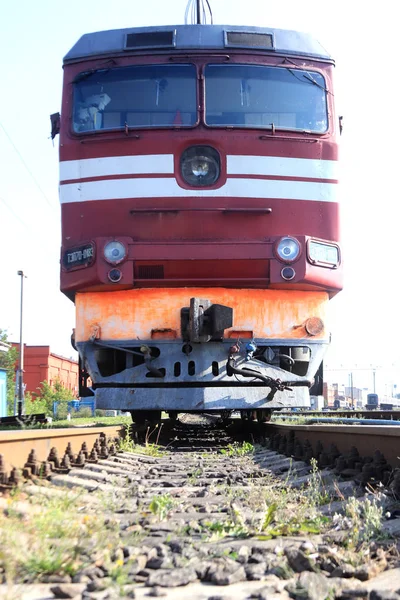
(150, 39)
(249, 39)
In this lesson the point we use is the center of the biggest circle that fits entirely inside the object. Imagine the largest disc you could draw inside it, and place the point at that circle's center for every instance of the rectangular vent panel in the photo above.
(242, 39)
(151, 272)
(151, 39)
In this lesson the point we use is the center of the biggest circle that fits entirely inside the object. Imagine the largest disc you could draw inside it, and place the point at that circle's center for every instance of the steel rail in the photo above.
(15, 446)
(366, 438)
(366, 414)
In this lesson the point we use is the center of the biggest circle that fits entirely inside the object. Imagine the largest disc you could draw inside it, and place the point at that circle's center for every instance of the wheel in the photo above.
(225, 415)
(263, 416)
(141, 416)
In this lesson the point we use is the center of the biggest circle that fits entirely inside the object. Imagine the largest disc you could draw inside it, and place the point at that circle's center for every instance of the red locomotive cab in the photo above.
(198, 182)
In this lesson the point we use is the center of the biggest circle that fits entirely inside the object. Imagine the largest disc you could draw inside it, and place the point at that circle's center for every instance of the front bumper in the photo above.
(194, 376)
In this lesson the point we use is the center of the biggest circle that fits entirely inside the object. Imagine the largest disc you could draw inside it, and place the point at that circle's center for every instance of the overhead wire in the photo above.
(211, 15)
(51, 204)
(191, 12)
(14, 213)
(38, 239)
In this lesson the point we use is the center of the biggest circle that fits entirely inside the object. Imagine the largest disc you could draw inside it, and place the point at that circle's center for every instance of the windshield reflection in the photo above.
(268, 97)
(154, 96)
(138, 96)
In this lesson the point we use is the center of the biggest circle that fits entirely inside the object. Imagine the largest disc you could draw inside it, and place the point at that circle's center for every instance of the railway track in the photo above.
(393, 415)
(210, 512)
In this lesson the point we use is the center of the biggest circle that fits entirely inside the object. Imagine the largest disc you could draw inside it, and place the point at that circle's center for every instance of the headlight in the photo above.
(114, 252)
(200, 166)
(288, 249)
(326, 255)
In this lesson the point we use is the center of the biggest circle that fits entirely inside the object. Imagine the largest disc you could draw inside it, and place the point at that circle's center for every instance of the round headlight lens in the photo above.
(288, 249)
(114, 252)
(200, 166)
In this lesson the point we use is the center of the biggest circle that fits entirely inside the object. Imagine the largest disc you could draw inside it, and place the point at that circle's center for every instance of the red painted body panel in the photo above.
(196, 246)
(110, 218)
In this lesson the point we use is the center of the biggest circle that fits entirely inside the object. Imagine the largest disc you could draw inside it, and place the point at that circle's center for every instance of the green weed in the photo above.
(162, 505)
(269, 516)
(366, 517)
(53, 536)
(222, 529)
(126, 444)
(237, 449)
(50, 560)
(316, 492)
(192, 479)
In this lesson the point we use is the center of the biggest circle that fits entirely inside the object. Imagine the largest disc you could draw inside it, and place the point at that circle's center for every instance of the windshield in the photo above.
(139, 96)
(268, 97)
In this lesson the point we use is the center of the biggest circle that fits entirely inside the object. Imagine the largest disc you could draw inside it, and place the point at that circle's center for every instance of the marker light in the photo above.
(288, 249)
(288, 273)
(200, 166)
(326, 255)
(115, 275)
(114, 252)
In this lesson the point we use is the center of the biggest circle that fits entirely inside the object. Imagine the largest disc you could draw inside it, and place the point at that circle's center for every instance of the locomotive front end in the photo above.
(200, 220)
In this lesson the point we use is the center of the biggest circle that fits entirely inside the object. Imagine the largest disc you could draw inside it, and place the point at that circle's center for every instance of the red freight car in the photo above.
(200, 226)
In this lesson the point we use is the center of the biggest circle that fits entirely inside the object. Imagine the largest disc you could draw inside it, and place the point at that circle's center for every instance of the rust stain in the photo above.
(95, 332)
(164, 334)
(239, 334)
(136, 313)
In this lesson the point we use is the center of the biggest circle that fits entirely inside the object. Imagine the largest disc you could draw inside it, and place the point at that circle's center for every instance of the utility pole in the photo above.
(20, 377)
(352, 391)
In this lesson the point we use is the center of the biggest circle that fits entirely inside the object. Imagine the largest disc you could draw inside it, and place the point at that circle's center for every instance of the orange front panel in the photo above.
(134, 314)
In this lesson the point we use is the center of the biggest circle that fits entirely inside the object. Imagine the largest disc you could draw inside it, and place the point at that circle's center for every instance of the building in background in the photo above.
(3, 392)
(40, 364)
(330, 392)
(340, 396)
(355, 396)
(4, 347)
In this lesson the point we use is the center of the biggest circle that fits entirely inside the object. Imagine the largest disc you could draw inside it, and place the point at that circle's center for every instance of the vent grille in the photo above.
(249, 40)
(152, 39)
(151, 272)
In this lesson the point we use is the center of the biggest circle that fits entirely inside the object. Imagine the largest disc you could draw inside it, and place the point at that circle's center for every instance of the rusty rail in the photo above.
(15, 446)
(327, 442)
(393, 415)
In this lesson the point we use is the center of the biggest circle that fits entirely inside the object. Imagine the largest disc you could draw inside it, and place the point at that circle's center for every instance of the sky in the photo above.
(34, 37)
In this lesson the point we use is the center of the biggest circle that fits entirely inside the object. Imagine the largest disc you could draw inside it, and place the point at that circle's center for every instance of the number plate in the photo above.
(81, 256)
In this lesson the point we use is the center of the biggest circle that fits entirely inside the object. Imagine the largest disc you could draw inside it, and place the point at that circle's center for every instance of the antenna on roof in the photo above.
(197, 12)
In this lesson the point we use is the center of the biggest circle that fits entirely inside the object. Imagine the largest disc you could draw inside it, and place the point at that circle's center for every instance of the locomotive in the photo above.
(372, 401)
(200, 221)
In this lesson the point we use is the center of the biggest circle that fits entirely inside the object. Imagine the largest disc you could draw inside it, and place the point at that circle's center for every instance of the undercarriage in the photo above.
(182, 376)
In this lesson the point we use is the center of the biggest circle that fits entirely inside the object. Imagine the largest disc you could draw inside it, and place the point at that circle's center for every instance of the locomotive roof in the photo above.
(175, 38)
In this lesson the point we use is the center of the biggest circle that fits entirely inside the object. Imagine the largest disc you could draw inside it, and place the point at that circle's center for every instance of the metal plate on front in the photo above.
(78, 257)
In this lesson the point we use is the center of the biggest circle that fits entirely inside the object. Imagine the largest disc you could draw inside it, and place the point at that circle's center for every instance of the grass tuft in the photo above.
(237, 449)
(162, 505)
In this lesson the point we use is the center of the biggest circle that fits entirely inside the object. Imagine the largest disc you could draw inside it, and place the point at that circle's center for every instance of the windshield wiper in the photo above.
(310, 78)
(86, 74)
